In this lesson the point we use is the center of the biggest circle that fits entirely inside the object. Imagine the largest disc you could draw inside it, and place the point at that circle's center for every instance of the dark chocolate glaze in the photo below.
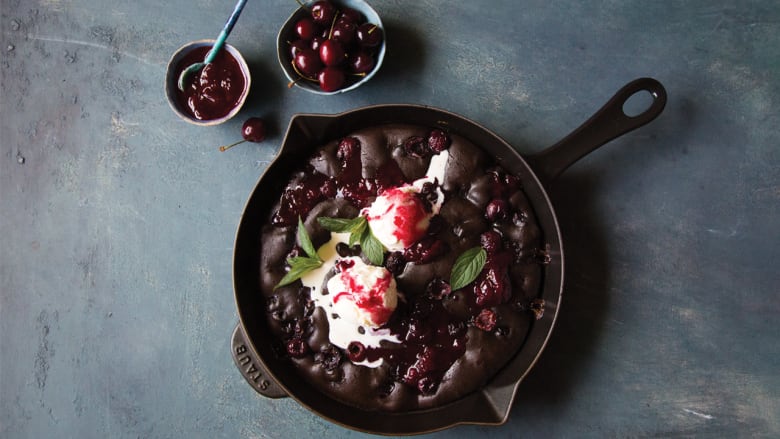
(469, 186)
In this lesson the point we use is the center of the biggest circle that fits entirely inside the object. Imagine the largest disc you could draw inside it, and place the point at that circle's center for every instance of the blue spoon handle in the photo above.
(225, 32)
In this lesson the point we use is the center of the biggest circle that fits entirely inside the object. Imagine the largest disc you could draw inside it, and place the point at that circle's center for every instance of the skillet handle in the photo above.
(252, 370)
(606, 124)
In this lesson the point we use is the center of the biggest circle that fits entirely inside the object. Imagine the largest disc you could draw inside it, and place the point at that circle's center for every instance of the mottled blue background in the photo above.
(117, 219)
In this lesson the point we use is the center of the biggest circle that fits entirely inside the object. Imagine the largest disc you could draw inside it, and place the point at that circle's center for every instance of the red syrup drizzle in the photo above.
(368, 299)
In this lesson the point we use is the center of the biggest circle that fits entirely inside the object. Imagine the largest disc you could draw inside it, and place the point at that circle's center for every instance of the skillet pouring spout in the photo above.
(608, 123)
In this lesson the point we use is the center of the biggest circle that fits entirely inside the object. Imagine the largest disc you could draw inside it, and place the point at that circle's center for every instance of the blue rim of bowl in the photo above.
(287, 29)
(171, 82)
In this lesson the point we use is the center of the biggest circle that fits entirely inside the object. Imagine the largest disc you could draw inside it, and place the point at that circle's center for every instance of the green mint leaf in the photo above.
(357, 233)
(340, 225)
(305, 241)
(467, 267)
(303, 261)
(371, 247)
(299, 266)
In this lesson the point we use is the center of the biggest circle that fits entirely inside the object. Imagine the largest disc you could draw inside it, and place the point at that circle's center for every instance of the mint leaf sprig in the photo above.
(360, 233)
(300, 265)
(467, 267)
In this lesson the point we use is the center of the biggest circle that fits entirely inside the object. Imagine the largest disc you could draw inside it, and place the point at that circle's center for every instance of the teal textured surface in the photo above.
(118, 219)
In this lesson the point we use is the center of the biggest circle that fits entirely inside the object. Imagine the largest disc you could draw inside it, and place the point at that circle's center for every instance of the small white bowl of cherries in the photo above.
(331, 46)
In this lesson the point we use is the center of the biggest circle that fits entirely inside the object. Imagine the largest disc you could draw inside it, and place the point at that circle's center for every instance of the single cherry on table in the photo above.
(253, 130)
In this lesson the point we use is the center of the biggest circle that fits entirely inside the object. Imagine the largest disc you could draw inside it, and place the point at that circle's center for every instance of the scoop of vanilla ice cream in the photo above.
(397, 217)
(362, 294)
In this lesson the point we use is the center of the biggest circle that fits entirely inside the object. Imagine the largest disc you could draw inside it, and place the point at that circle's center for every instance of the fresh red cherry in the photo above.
(316, 42)
(352, 15)
(331, 79)
(369, 35)
(253, 130)
(323, 12)
(332, 53)
(308, 62)
(297, 45)
(305, 28)
(344, 31)
(361, 62)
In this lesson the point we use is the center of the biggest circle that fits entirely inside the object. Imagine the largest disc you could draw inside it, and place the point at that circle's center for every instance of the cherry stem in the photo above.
(333, 24)
(225, 148)
(301, 74)
(373, 28)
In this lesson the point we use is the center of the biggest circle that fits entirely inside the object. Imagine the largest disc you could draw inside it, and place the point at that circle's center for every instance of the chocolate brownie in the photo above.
(430, 344)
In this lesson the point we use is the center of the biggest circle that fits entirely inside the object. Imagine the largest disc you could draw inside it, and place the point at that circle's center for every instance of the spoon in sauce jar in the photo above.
(191, 69)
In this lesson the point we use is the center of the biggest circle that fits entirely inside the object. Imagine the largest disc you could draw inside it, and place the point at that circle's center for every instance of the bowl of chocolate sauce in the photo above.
(213, 95)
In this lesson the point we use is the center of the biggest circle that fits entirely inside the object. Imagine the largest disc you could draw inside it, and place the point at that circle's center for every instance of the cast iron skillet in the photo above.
(251, 343)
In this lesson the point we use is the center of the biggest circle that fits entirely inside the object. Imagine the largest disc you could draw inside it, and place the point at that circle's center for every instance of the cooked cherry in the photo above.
(497, 210)
(297, 348)
(485, 320)
(438, 140)
(348, 147)
(438, 288)
(492, 286)
(428, 384)
(490, 241)
(299, 199)
(356, 351)
(348, 153)
(425, 250)
(329, 357)
(428, 195)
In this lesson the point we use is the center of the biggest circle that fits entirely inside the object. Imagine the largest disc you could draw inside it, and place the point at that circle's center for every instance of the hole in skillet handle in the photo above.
(609, 122)
(638, 103)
